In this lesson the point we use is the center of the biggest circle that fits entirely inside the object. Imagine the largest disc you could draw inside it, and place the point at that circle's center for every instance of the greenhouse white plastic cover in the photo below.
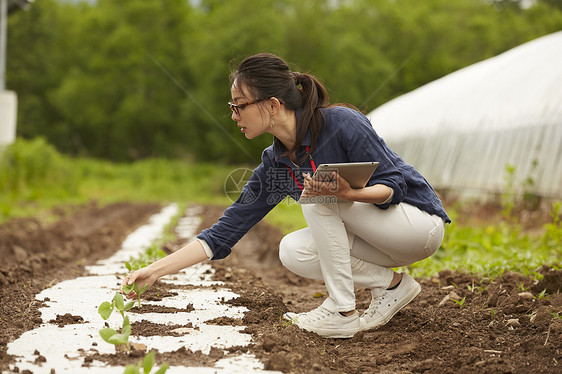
(461, 131)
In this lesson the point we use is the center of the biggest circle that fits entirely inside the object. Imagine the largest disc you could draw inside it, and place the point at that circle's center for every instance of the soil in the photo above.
(507, 325)
(36, 255)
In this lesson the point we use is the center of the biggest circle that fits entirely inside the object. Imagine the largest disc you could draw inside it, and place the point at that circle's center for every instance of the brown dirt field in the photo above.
(36, 255)
(498, 329)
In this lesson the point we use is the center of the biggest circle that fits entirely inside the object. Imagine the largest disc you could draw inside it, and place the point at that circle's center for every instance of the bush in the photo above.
(31, 168)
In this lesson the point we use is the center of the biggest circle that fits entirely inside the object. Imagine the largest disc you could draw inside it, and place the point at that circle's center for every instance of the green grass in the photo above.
(34, 178)
(490, 250)
(153, 180)
(486, 250)
(287, 216)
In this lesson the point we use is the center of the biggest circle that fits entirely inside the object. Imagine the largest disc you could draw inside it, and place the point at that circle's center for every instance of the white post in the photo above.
(3, 42)
(8, 99)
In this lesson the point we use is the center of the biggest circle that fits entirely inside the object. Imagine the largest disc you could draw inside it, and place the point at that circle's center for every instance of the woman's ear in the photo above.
(275, 104)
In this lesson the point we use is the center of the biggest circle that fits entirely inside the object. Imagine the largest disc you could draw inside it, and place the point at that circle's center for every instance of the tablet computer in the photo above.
(357, 174)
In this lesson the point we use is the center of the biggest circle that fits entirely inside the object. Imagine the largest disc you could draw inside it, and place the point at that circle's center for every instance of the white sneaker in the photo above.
(326, 323)
(386, 303)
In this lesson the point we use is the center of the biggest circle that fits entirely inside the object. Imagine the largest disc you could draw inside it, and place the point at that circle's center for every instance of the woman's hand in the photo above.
(191, 254)
(340, 188)
(142, 276)
(335, 185)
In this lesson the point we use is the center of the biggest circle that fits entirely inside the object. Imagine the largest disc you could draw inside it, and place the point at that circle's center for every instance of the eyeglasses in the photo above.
(236, 108)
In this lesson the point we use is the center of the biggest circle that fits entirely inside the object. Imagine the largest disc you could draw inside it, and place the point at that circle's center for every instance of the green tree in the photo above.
(39, 42)
(131, 79)
(116, 99)
(224, 33)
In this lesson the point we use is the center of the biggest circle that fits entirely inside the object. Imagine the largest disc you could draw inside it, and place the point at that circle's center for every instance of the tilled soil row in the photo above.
(36, 255)
(504, 325)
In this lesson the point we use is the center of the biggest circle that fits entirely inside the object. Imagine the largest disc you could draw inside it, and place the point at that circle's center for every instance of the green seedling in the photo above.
(284, 322)
(492, 313)
(113, 337)
(106, 308)
(460, 302)
(127, 288)
(132, 264)
(146, 366)
(521, 287)
(146, 258)
(473, 288)
(542, 295)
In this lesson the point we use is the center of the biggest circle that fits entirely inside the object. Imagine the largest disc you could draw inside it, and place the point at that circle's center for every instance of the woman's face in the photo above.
(251, 119)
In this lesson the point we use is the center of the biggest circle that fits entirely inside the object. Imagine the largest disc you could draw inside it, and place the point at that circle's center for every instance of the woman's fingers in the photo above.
(132, 277)
(128, 281)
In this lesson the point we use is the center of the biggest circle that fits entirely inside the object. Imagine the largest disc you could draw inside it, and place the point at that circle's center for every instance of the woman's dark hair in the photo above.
(266, 75)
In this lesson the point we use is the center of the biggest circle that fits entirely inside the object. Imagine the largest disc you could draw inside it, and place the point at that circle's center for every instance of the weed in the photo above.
(285, 323)
(553, 231)
(460, 302)
(146, 366)
(473, 288)
(538, 276)
(556, 315)
(508, 195)
(492, 313)
(542, 295)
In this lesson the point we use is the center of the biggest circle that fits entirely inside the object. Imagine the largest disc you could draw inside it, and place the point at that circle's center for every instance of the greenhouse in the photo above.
(493, 123)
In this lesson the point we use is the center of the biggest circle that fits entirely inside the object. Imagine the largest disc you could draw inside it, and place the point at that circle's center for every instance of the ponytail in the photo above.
(314, 97)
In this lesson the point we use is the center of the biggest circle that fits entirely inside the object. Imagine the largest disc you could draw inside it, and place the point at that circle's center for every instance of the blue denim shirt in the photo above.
(347, 137)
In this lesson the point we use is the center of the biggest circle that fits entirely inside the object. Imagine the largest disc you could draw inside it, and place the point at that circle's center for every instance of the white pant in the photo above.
(352, 243)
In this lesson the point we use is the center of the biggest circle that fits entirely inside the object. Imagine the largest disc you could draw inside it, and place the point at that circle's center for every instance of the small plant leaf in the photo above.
(118, 339)
(143, 289)
(105, 309)
(148, 362)
(107, 333)
(119, 303)
(127, 288)
(131, 369)
(129, 305)
(126, 329)
(460, 302)
(128, 266)
(162, 369)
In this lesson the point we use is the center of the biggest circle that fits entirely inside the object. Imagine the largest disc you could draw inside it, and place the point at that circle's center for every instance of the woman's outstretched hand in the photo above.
(144, 276)
(191, 254)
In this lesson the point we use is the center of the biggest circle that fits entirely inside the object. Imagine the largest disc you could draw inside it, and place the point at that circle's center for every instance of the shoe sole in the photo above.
(340, 334)
(405, 301)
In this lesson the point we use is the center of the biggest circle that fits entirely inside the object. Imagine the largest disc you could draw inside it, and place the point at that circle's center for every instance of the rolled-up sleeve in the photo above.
(258, 197)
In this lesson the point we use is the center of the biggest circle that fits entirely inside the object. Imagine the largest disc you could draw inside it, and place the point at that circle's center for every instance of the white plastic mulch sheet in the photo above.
(64, 348)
